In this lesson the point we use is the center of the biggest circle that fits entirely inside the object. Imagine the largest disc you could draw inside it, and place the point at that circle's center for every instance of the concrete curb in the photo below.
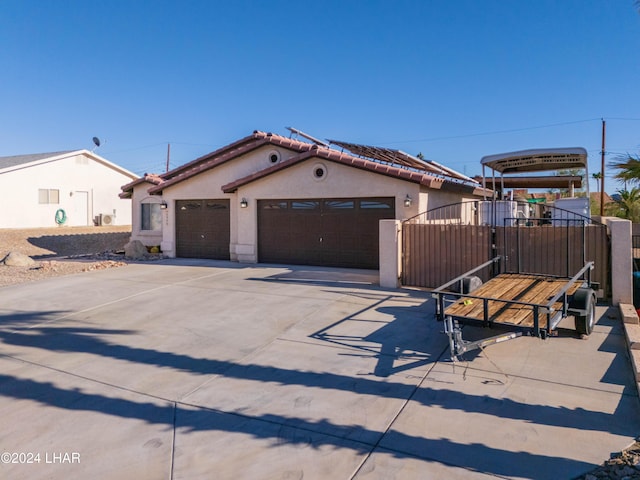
(631, 324)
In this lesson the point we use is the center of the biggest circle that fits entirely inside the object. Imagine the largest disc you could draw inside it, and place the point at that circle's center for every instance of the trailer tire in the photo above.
(585, 299)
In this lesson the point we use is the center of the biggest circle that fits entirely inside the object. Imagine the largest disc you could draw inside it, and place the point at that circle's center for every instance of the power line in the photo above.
(625, 119)
(496, 132)
(135, 148)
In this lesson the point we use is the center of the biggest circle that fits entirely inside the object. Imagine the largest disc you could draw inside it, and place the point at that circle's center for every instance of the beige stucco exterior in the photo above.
(86, 184)
(621, 260)
(296, 181)
(138, 197)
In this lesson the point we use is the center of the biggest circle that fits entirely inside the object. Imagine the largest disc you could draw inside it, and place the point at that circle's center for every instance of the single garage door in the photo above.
(338, 232)
(202, 229)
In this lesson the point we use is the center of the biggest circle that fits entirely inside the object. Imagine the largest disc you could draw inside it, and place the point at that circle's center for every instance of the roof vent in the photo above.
(273, 156)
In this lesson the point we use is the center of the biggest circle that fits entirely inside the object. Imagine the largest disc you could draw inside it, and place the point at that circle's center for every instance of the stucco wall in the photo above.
(621, 260)
(299, 182)
(139, 196)
(86, 188)
(431, 199)
(208, 185)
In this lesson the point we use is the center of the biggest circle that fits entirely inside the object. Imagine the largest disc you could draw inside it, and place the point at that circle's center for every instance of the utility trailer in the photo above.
(517, 301)
(521, 303)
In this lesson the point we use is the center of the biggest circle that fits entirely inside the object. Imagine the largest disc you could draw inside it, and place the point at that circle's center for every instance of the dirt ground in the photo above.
(61, 251)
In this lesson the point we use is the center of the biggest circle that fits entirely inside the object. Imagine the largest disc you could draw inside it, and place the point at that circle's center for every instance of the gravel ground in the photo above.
(68, 250)
(62, 251)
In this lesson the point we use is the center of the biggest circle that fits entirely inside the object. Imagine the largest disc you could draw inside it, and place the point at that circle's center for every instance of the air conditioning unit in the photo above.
(107, 219)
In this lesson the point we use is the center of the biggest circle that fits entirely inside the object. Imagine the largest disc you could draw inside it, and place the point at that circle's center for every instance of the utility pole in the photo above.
(169, 155)
(604, 129)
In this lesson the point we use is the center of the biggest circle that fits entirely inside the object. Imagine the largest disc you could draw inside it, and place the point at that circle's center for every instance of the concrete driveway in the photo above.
(201, 369)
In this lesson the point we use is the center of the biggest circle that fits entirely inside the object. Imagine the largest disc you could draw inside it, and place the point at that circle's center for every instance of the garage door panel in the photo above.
(332, 232)
(203, 229)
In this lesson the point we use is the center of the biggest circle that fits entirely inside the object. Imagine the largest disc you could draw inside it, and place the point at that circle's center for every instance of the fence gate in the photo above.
(444, 243)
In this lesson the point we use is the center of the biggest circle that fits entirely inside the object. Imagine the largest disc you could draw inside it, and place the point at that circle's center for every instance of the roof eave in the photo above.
(359, 163)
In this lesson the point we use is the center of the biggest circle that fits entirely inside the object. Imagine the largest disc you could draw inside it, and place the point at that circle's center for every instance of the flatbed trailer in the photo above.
(530, 304)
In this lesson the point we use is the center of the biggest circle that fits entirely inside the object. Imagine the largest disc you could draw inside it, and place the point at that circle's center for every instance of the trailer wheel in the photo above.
(584, 299)
(469, 284)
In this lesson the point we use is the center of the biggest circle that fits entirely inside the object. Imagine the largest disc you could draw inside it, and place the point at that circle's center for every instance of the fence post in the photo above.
(390, 253)
(621, 260)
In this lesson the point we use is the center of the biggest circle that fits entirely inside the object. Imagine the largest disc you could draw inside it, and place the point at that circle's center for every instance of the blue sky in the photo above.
(453, 79)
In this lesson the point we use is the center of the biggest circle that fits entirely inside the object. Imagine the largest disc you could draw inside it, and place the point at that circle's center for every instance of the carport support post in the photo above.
(390, 253)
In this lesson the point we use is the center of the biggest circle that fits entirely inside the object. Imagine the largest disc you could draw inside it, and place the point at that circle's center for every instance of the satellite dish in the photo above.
(96, 141)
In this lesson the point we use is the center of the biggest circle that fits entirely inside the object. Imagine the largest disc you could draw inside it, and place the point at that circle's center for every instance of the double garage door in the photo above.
(330, 232)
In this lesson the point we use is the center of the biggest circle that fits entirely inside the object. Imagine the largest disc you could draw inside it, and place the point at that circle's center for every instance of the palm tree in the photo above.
(628, 168)
(627, 206)
(597, 177)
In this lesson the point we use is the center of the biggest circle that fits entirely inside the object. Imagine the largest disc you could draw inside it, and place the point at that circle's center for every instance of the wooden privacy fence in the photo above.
(442, 244)
(434, 254)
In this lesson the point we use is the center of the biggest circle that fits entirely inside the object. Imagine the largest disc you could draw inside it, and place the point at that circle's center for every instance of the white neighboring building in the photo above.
(74, 188)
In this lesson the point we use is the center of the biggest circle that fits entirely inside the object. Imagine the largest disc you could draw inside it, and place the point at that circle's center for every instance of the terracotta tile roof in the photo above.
(152, 178)
(304, 151)
(225, 154)
(339, 157)
(596, 197)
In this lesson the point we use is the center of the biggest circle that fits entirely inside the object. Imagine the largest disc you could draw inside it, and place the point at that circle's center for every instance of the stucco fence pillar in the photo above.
(390, 253)
(621, 260)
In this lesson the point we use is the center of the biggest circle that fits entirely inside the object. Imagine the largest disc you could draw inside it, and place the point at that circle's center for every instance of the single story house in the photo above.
(272, 199)
(76, 188)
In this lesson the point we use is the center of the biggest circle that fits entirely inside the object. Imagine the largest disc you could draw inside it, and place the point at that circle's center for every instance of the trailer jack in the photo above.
(458, 345)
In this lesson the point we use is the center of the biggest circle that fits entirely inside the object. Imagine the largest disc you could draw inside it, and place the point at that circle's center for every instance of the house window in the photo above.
(151, 216)
(47, 195)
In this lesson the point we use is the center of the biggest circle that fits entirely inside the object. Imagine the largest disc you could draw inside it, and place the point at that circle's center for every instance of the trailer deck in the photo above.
(502, 291)
(521, 303)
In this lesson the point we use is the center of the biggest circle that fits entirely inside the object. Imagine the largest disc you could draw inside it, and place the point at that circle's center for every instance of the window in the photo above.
(376, 204)
(339, 204)
(151, 216)
(283, 206)
(305, 205)
(46, 195)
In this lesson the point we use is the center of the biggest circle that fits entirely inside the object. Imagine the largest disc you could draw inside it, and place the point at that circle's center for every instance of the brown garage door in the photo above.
(202, 229)
(339, 232)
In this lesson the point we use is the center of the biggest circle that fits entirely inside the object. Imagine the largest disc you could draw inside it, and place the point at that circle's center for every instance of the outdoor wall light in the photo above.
(244, 203)
(163, 205)
(408, 201)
